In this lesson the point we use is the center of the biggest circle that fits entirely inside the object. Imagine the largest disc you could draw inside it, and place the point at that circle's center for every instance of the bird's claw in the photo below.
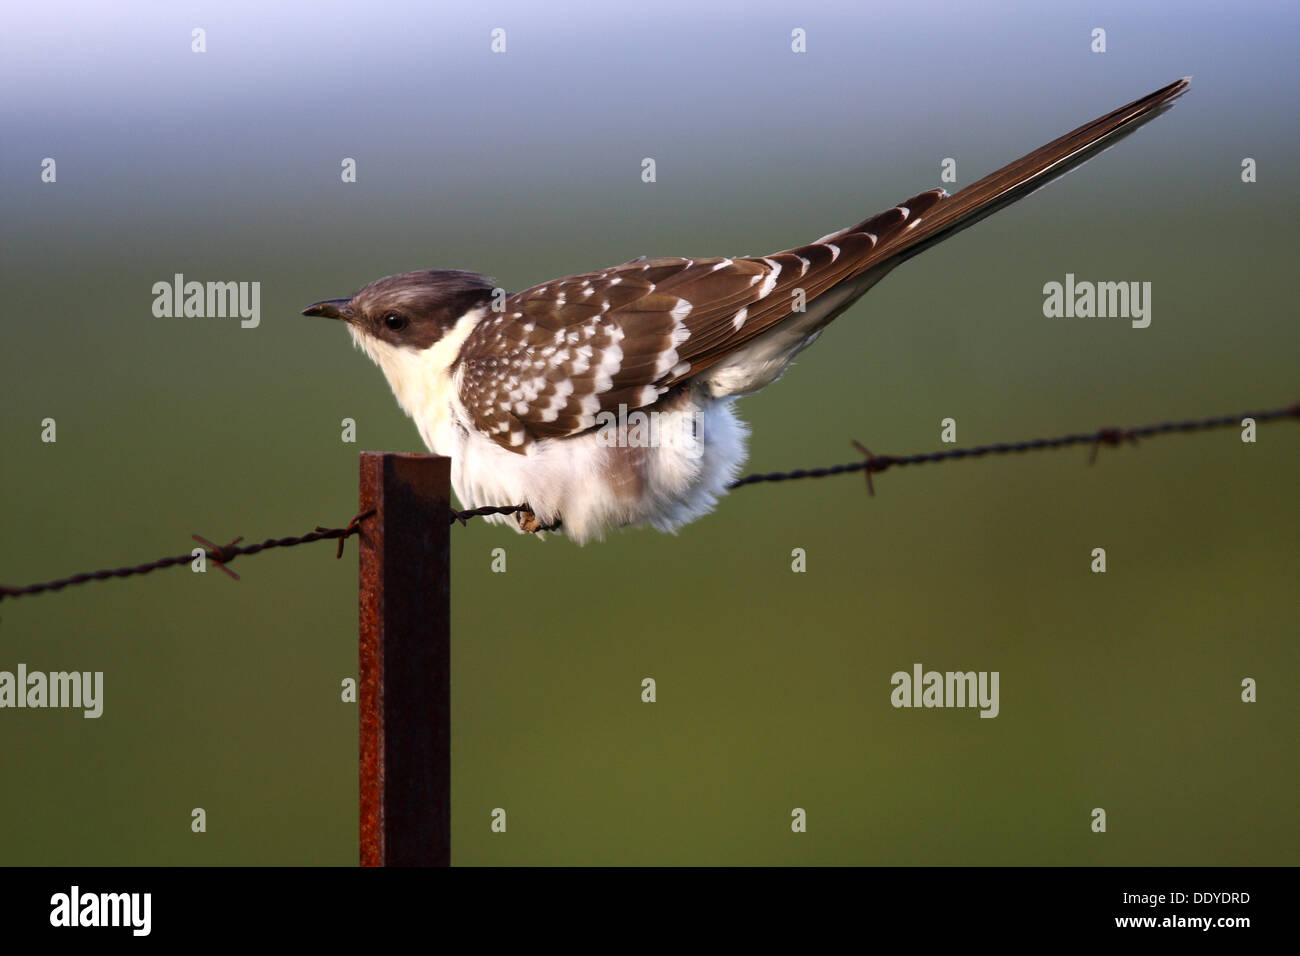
(531, 524)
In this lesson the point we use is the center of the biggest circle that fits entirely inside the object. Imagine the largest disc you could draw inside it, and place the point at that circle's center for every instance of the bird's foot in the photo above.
(531, 524)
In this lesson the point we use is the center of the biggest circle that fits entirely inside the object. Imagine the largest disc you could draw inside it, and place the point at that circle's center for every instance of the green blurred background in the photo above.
(1119, 690)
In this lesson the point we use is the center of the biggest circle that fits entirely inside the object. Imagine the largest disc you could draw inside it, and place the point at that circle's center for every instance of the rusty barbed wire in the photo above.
(222, 555)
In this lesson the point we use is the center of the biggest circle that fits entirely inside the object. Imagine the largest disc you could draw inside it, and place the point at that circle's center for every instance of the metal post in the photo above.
(405, 675)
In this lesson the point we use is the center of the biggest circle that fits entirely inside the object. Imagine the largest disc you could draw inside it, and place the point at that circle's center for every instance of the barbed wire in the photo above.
(873, 464)
(464, 516)
(1104, 436)
(219, 555)
(222, 555)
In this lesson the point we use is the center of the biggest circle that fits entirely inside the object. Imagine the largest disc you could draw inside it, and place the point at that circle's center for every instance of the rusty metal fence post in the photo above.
(405, 671)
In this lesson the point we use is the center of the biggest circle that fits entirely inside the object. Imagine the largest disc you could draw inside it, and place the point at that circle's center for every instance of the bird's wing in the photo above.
(562, 352)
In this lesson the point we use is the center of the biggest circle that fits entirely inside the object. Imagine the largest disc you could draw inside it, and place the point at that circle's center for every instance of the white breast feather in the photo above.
(562, 478)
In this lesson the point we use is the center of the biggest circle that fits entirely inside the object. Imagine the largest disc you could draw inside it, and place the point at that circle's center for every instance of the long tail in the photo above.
(937, 216)
(731, 305)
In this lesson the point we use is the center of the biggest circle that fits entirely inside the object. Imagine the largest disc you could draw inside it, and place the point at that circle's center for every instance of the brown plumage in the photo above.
(563, 352)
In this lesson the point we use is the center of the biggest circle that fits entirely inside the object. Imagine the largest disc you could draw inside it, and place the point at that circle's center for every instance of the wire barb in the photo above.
(221, 556)
(1111, 437)
(354, 527)
(874, 463)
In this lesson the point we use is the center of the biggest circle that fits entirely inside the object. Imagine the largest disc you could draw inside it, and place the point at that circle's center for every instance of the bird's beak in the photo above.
(328, 308)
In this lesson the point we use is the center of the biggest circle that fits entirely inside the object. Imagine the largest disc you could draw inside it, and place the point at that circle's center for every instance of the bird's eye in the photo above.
(395, 322)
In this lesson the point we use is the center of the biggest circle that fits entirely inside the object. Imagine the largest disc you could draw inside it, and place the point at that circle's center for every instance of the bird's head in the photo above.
(412, 311)
(412, 326)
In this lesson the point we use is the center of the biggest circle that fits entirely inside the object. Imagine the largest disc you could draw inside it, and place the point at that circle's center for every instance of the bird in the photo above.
(605, 399)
